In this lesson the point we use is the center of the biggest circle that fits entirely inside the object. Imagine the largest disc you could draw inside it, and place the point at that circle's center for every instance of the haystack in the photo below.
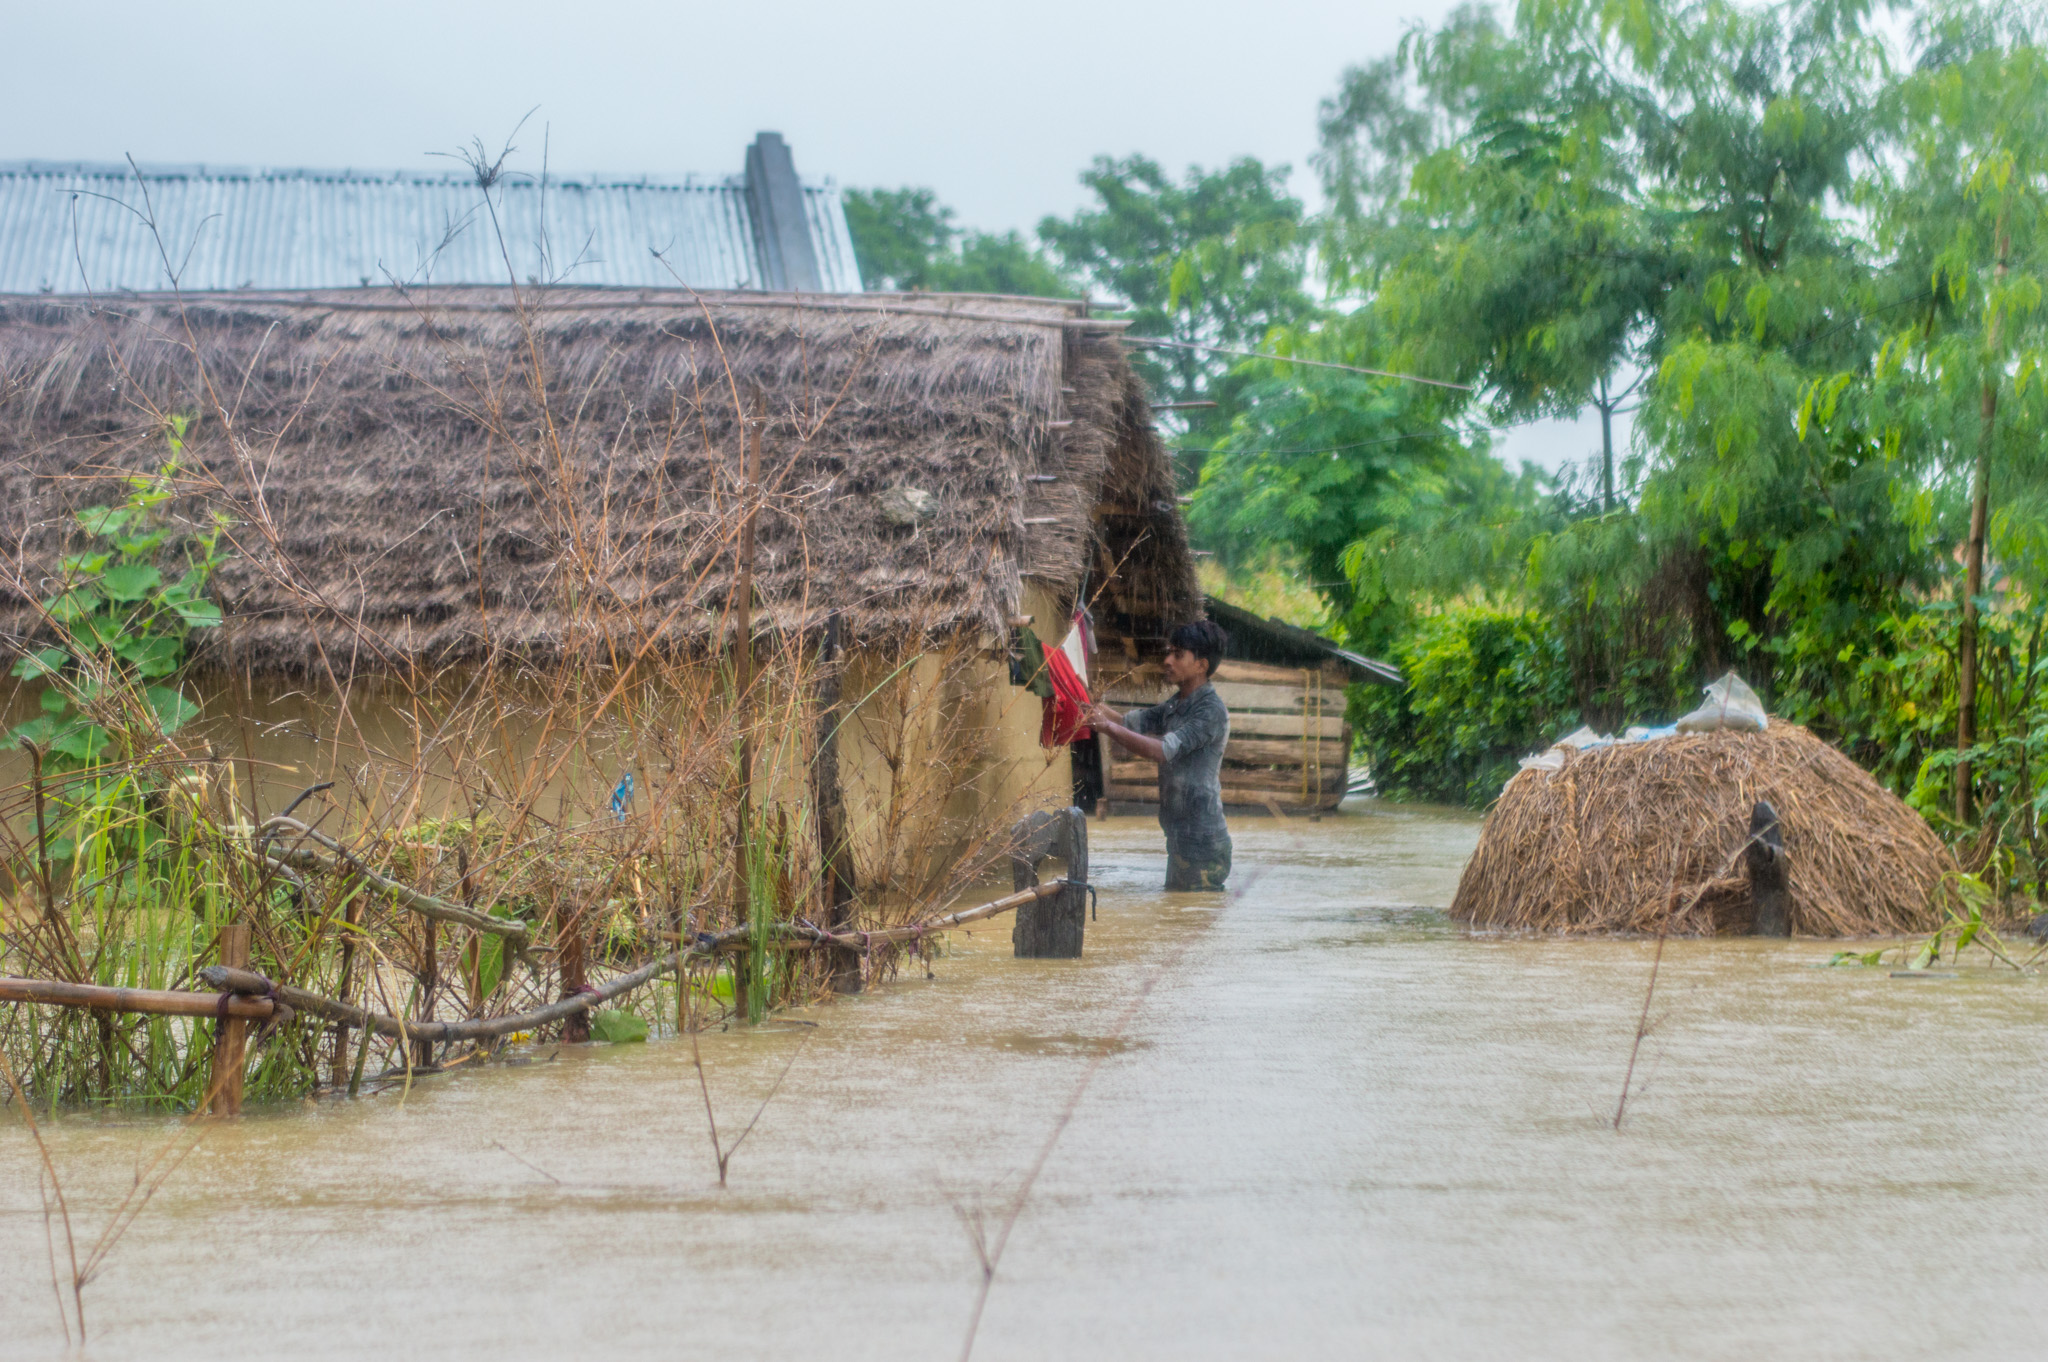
(1641, 836)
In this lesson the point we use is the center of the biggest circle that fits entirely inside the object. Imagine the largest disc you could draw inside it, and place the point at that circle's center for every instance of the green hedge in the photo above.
(1486, 687)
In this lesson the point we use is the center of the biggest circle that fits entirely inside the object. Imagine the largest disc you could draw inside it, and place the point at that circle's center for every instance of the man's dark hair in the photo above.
(1204, 638)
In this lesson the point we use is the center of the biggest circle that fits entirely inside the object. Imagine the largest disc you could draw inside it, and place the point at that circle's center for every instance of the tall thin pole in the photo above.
(829, 799)
(743, 684)
(35, 757)
(1973, 574)
(230, 1036)
(571, 957)
(1606, 405)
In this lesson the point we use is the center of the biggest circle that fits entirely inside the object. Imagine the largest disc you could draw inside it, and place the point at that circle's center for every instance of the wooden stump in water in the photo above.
(351, 916)
(231, 1035)
(1770, 888)
(575, 1028)
(1051, 928)
(430, 979)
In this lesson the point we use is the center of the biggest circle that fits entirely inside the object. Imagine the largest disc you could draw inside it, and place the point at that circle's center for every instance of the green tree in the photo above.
(905, 239)
(1366, 481)
(1965, 211)
(1829, 266)
(897, 235)
(1606, 186)
(1001, 262)
(1516, 256)
(1216, 259)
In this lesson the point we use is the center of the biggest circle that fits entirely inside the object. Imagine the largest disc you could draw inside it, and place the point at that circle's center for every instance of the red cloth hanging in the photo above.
(1066, 709)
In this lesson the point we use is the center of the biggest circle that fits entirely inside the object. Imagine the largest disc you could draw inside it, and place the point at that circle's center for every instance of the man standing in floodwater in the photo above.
(1186, 735)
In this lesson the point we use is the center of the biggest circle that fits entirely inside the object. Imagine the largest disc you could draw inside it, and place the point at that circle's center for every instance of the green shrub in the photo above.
(1486, 686)
(125, 624)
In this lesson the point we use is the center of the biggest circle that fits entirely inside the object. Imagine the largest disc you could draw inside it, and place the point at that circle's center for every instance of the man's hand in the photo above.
(1112, 723)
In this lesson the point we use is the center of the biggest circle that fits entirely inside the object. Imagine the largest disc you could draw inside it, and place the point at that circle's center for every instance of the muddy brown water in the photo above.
(1338, 1126)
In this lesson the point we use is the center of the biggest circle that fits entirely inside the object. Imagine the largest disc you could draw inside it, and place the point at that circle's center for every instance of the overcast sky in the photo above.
(997, 107)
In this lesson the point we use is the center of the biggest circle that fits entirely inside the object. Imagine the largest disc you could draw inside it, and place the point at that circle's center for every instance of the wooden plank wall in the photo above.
(1288, 743)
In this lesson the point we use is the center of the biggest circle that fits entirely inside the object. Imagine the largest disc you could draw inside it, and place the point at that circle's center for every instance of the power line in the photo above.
(1361, 444)
(1329, 449)
(1295, 359)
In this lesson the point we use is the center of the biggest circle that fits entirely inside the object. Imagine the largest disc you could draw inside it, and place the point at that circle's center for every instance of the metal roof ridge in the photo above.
(202, 170)
(1023, 310)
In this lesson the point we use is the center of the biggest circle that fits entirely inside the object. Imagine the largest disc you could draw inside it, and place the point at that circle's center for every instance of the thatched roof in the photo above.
(407, 492)
(1638, 837)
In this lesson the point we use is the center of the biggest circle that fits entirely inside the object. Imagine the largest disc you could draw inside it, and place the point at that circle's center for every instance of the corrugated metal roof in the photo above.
(75, 228)
(1275, 640)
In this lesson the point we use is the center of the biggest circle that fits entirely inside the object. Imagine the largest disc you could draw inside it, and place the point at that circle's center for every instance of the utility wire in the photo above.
(1329, 449)
(1295, 359)
(1361, 444)
(1462, 387)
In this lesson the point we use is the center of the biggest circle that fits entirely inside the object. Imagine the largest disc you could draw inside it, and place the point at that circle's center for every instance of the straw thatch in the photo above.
(1639, 836)
(408, 492)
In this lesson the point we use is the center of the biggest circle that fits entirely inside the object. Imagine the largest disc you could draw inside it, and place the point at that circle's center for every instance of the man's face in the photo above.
(1182, 666)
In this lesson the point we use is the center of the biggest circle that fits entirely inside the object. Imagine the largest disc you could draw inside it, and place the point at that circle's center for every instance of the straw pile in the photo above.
(1639, 836)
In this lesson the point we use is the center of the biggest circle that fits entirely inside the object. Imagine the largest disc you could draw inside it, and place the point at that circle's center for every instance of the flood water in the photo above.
(1337, 1126)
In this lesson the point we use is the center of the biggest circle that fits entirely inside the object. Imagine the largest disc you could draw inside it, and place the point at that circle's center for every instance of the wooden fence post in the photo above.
(231, 1034)
(1051, 928)
(351, 915)
(1104, 755)
(1770, 887)
(743, 704)
(1312, 742)
(569, 941)
(836, 857)
(430, 980)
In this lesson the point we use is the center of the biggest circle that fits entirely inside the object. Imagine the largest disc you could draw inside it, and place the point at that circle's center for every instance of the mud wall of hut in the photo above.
(938, 753)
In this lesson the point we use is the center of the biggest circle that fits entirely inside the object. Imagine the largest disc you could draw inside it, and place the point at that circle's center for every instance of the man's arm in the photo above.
(1142, 744)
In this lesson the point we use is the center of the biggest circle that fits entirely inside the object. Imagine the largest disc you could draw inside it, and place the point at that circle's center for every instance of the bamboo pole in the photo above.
(912, 931)
(473, 953)
(245, 1003)
(830, 802)
(795, 937)
(230, 979)
(743, 682)
(1309, 727)
(155, 1002)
